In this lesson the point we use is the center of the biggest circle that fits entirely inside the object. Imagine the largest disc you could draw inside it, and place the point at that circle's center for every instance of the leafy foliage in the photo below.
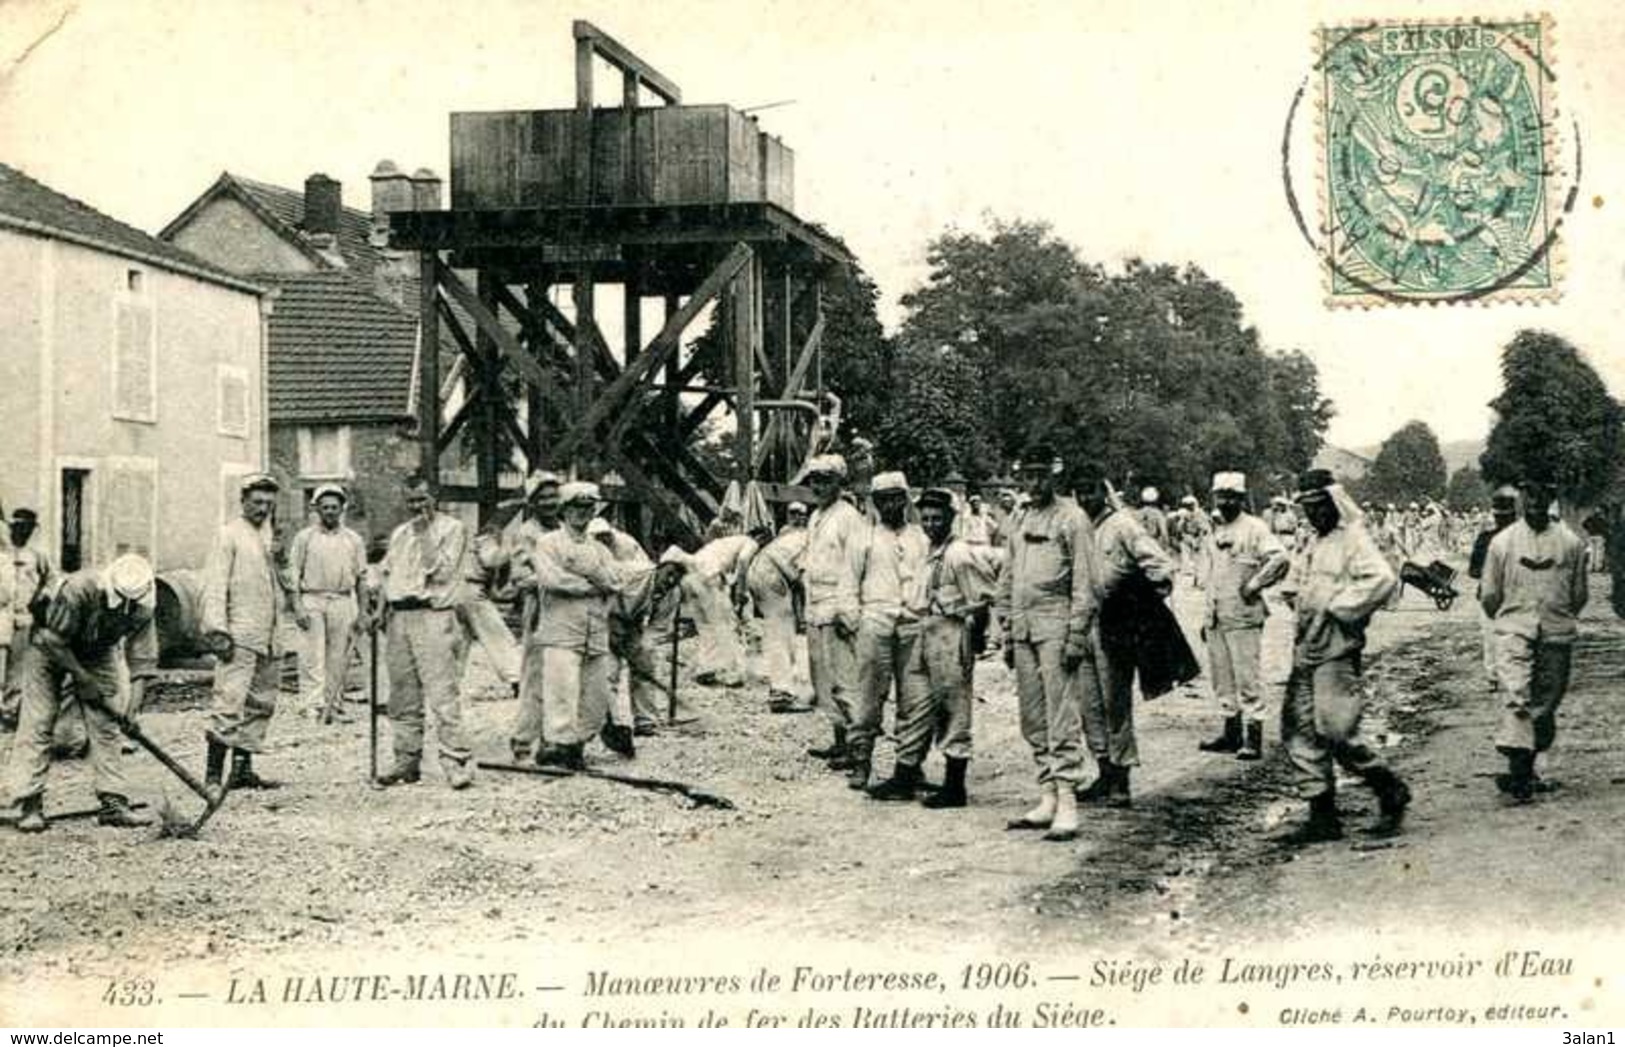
(1151, 372)
(1555, 419)
(1409, 467)
(1467, 489)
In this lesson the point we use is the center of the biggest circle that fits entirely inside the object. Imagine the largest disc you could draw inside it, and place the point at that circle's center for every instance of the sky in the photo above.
(1151, 130)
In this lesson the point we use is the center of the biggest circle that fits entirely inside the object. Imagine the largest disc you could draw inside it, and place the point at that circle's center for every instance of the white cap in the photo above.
(892, 481)
(329, 489)
(1236, 482)
(796, 507)
(578, 491)
(1150, 496)
(675, 554)
(536, 480)
(599, 526)
(832, 464)
(127, 578)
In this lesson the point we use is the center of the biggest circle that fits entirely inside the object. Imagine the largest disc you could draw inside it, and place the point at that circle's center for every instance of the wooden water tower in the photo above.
(686, 205)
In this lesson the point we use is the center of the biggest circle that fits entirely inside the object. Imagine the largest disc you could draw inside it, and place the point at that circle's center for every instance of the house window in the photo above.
(129, 503)
(324, 452)
(231, 393)
(132, 280)
(135, 363)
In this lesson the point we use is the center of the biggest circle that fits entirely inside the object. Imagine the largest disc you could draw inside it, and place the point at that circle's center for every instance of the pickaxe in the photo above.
(68, 816)
(213, 797)
(659, 785)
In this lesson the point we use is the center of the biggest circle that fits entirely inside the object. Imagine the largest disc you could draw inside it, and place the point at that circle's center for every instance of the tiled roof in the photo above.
(288, 207)
(30, 205)
(338, 352)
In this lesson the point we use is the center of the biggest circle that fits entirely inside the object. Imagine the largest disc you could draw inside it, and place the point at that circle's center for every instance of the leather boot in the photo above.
(1519, 781)
(1120, 795)
(243, 776)
(116, 813)
(1064, 826)
(952, 793)
(570, 757)
(1228, 740)
(905, 778)
(1099, 790)
(1041, 815)
(520, 750)
(858, 769)
(1323, 825)
(1393, 796)
(459, 773)
(835, 749)
(405, 772)
(617, 738)
(1252, 745)
(216, 765)
(32, 817)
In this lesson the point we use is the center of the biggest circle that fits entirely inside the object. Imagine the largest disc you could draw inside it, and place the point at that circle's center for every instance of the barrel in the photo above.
(180, 615)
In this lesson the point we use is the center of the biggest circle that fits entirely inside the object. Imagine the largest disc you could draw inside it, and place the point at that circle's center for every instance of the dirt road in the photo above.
(328, 865)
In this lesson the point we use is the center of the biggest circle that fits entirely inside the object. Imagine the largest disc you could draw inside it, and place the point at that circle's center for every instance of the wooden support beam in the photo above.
(621, 57)
(487, 321)
(637, 479)
(664, 344)
(448, 322)
(581, 123)
(747, 339)
(691, 422)
(458, 420)
(536, 442)
(429, 367)
(488, 391)
(582, 295)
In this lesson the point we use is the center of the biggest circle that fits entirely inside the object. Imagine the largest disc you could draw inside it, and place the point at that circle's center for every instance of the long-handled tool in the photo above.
(372, 706)
(658, 785)
(676, 637)
(212, 796)
(78, 814)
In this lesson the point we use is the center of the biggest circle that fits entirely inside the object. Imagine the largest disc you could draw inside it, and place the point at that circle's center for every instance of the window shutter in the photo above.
(232, 391)
(133, 362)
(130, 502)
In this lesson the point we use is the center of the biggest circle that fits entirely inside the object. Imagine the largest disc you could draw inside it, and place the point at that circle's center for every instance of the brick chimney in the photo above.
(392, 190)
(425, 190)
(324, 201)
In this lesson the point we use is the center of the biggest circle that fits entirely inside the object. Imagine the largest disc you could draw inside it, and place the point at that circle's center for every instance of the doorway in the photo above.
(74, 529)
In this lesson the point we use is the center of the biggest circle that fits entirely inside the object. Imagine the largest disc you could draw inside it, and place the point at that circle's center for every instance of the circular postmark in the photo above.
(1436, 162)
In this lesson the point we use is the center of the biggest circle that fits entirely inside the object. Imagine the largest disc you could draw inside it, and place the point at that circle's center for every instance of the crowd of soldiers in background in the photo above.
(875, 594)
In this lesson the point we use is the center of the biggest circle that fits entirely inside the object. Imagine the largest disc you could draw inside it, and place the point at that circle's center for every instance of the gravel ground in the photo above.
(328, 865)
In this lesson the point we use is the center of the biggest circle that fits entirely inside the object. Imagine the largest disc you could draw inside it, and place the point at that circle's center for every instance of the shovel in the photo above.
(212, 797)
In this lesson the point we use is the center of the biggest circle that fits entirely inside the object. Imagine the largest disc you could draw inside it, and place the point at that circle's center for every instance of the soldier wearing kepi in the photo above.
(1534, 587)
(576, 578)
(1244, 558)
(244, 599)
(1048, 613)
(540, 517)
(78, 638)
(327, 565)
(1503, 511)
(935, 698)
(892, 561)
(32, 574)
(423, 581)
(829, 578)
(1341, 580)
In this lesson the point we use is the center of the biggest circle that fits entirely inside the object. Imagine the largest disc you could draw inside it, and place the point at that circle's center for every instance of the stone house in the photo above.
(132, 377)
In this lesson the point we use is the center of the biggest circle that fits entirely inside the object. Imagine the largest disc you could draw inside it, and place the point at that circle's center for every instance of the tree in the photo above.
(1467, 489)
(1151, 372)
(1554, 419)
(1408, 467)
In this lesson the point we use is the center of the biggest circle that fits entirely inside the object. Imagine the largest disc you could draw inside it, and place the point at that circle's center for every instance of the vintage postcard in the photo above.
(870, 515)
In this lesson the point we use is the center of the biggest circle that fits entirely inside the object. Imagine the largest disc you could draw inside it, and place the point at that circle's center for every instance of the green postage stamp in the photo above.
(1437, 162)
